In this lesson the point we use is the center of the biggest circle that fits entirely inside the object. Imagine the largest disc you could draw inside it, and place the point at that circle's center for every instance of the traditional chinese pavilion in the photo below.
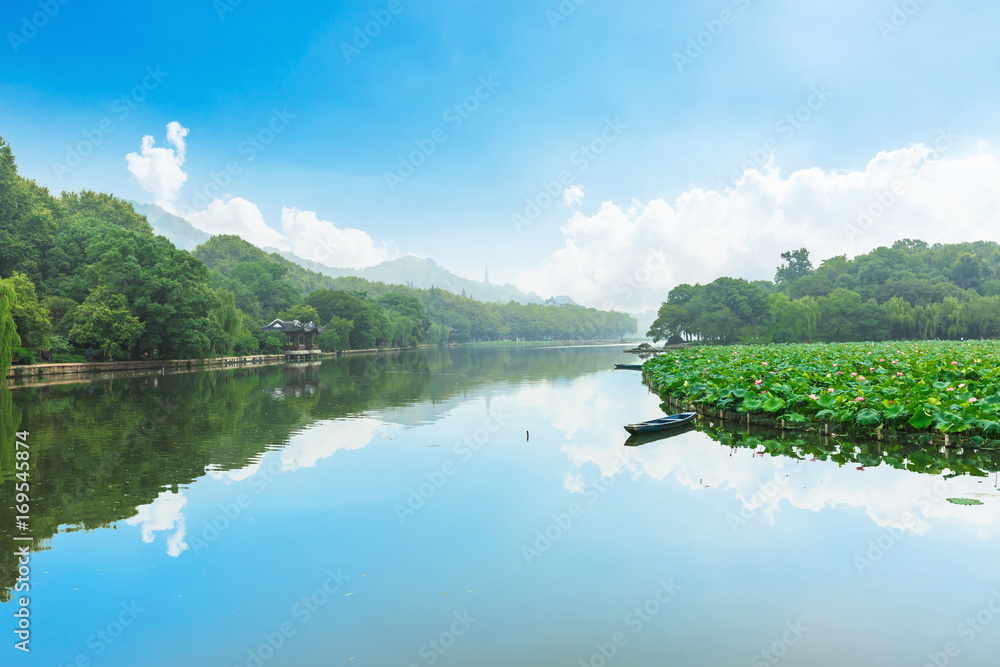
(300, 338)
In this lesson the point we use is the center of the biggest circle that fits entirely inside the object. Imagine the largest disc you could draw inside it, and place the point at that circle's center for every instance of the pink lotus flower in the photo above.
(830, 390)
(961, 386)
(859, 399)
(950, 389)
(758, 382)
(764, 363)
(954, 363)
(899, 375)
(812, 396)
(872, 368)
(973, 399)
(861, 378)
(853, 374)
(895, 361)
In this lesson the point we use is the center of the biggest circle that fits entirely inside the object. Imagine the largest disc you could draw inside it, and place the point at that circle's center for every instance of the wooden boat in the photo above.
(661, 424)
(628, 367)
(637, 439)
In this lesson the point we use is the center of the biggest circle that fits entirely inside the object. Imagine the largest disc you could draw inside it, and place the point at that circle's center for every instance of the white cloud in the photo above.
(241, 217)
(629, 257)
(158, 170)
(573, 195)
(164, 513)
(323, 439)
(322, 241)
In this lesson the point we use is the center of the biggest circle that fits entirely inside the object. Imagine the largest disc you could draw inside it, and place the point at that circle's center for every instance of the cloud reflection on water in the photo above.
(591, 414)
(163, 514)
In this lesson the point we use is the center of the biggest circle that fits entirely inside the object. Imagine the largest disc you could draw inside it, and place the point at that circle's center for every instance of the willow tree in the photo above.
(8, 423)
(9, 339)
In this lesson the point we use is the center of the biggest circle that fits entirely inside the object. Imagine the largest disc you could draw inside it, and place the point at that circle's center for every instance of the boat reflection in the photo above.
(639, 439)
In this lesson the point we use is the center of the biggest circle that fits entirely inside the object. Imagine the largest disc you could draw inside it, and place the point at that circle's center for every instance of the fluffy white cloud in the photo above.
(629, 257)
(322, 241)
(164, 513)
(158, 170)
(241, 217)
(573, 195)
(303, 233)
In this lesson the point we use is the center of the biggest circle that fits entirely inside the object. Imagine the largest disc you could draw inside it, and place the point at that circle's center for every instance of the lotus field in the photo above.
(905, 386)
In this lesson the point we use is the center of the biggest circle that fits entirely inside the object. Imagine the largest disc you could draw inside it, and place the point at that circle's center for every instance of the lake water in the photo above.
(476, 506)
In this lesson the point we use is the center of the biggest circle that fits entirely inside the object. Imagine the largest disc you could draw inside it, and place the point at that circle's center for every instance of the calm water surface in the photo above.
(478, 507)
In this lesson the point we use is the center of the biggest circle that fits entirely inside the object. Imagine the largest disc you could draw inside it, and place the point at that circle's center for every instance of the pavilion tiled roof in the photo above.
(293, 327)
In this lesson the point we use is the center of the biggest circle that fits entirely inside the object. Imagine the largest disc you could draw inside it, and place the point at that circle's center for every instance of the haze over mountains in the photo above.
(408, 270)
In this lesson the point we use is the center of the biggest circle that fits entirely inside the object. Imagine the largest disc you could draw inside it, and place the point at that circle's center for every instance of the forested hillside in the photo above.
(909, 291)
(86, 270)
(268, 282)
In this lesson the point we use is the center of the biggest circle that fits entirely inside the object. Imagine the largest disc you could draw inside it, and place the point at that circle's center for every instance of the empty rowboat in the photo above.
(662, 424)
(656, 436)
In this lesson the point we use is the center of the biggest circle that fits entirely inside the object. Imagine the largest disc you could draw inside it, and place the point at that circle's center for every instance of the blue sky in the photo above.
(558, 73)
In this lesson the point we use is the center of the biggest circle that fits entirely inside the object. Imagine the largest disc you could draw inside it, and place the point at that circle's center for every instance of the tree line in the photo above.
(909, 291)
(85, 270)
(360, 314)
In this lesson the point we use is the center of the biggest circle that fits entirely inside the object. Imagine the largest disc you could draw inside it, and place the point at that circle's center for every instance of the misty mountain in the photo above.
(179, 231)
(422, 274)
(409, 270)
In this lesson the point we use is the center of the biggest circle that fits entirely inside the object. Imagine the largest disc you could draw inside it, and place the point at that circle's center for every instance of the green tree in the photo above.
(302, 312)
(840, 312)
(967, 271)
(229, 318)
(104, 321)
(337, 336)
(796, 265)
(873, 322)
(437, 334)
(409, 319)
(89, 205)
(265, 287)
(30, 315)
(371, 328)
(61, 312)
(9, 339)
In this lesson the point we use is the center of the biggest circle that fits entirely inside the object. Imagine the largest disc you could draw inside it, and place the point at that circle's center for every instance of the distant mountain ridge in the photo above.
(409, 270)
(421, 273)
(179, 231)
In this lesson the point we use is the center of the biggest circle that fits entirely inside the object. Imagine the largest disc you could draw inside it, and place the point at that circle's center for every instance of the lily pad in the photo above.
(965, 501)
